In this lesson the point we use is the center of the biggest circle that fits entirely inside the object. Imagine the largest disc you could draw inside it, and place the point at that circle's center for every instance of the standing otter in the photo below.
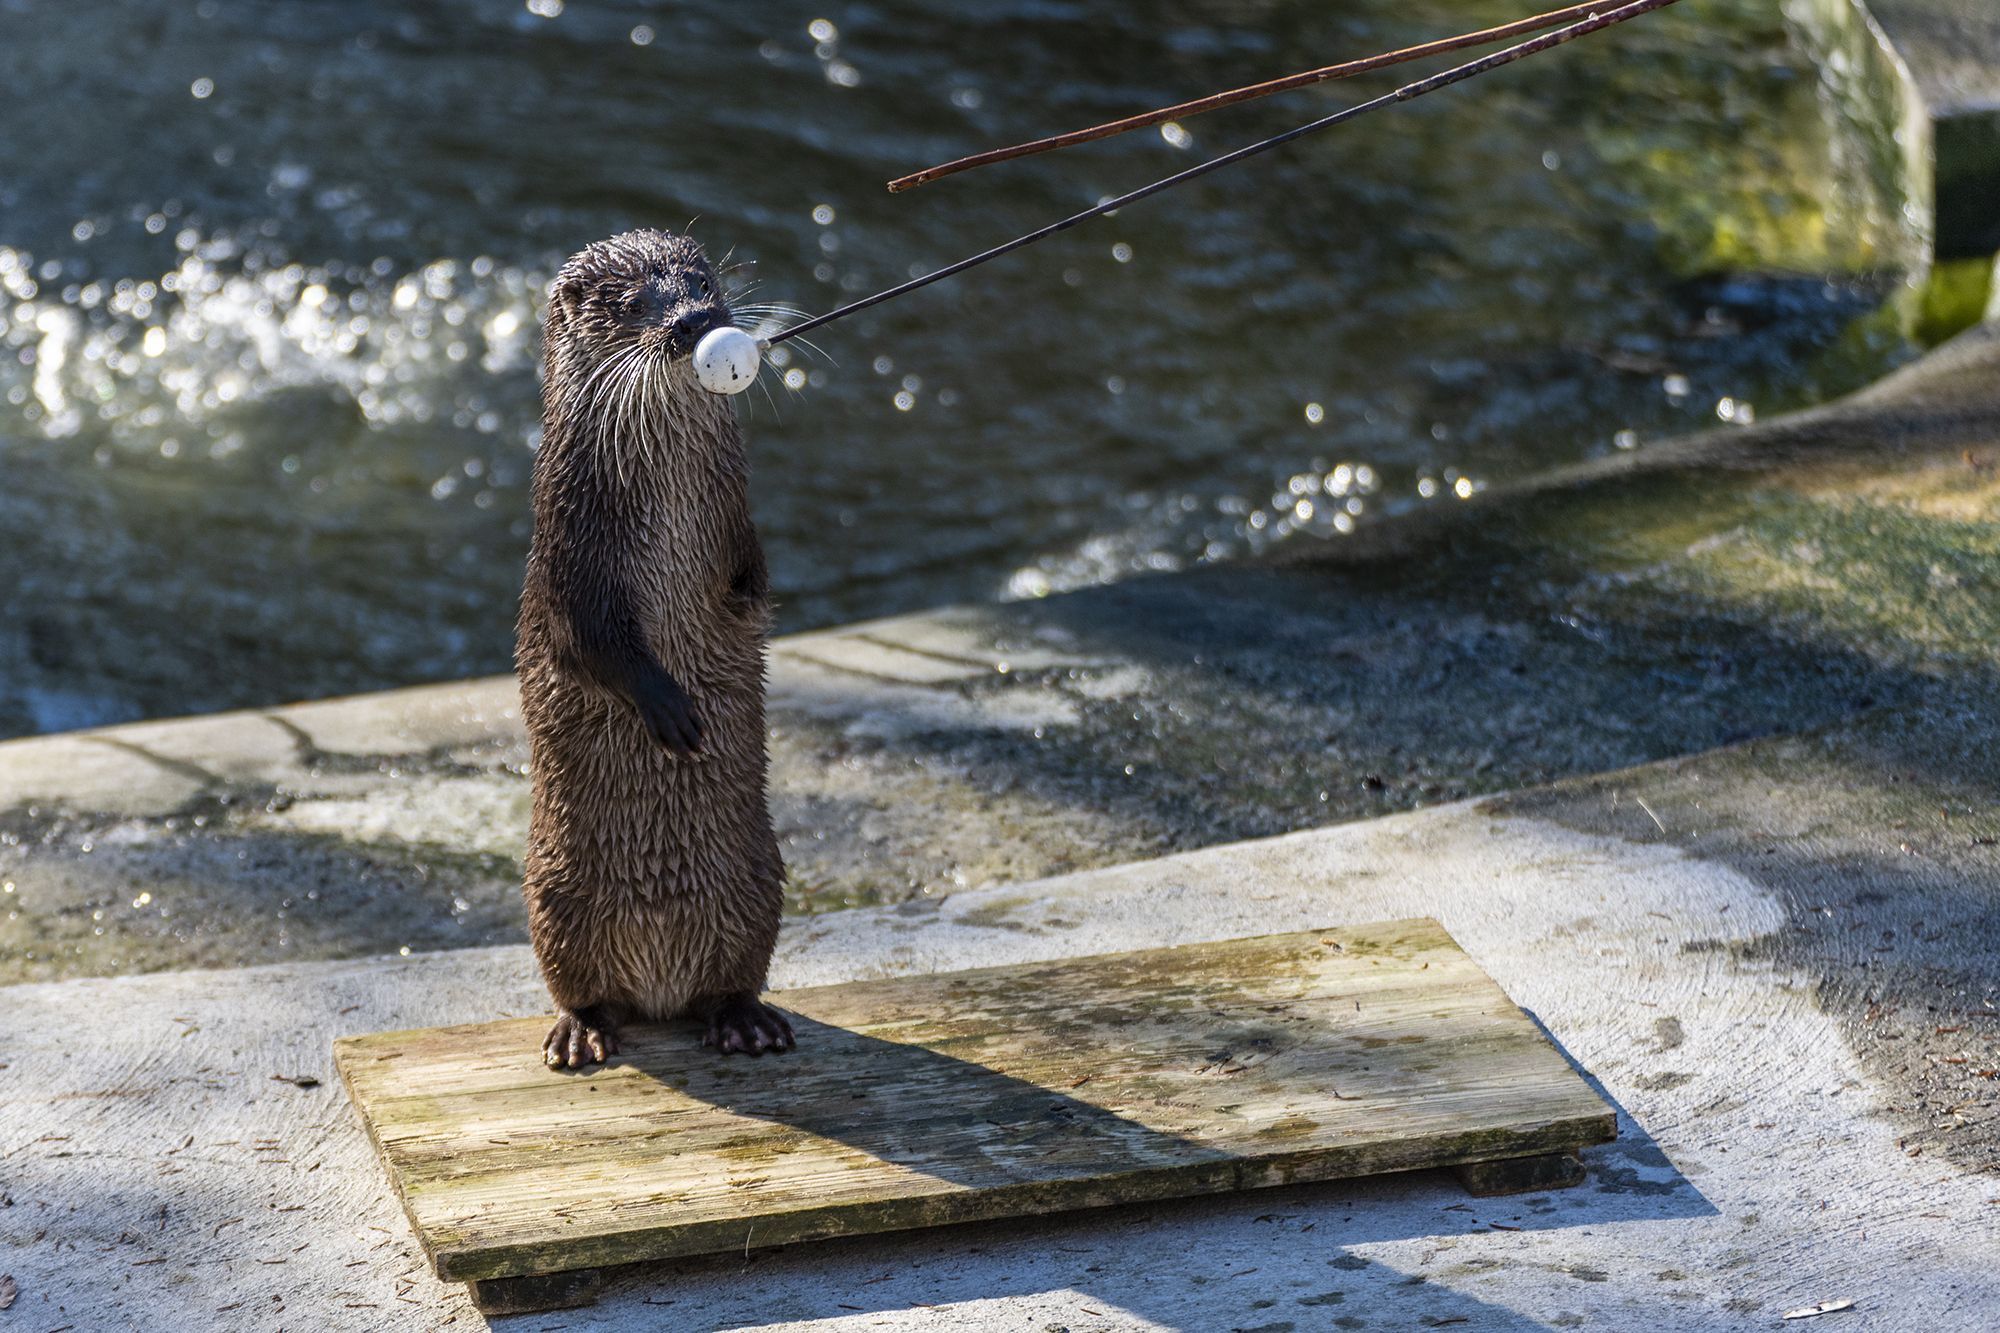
(653, 875)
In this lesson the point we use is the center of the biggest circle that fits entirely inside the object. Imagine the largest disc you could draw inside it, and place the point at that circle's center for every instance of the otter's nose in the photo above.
(686, 328)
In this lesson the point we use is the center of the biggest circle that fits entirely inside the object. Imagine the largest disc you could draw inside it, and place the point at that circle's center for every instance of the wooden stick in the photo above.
(1456, 74)
(1184, 110)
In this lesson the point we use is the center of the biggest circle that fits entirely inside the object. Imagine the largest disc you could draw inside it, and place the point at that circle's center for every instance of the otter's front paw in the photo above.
(669, 714)
(582, 1038)
(745, 1023)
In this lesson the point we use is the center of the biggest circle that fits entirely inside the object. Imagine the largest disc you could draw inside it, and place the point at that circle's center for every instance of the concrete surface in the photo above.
(1949, 51)
(1952, 48)
(160, 1172)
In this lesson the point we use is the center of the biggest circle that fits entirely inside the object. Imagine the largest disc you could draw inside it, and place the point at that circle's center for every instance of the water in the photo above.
(270, 277)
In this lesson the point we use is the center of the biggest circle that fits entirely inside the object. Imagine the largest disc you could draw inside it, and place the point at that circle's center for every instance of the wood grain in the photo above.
(919, 1101)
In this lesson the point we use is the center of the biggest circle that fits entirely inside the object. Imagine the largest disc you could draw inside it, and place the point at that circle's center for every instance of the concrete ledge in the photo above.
(1949, 51)
(164, 1168)
(1953, 50)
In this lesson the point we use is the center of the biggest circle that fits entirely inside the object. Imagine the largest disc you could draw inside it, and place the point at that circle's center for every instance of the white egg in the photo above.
(726, 360)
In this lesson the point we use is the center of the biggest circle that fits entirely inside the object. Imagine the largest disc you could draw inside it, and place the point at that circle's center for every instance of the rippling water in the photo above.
(270, 279)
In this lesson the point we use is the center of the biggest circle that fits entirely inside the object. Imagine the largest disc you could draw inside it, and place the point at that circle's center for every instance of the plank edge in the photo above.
(1018, 1202)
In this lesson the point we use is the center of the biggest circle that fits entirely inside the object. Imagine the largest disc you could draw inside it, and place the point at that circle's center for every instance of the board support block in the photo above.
(528, 1295)
(1521, 1175)
(1003, 1092)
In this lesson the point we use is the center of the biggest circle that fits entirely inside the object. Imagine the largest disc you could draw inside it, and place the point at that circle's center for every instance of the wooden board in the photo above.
(918, 1101)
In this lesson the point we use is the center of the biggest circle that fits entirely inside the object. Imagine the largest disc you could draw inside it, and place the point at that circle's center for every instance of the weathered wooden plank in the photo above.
(918, 1101)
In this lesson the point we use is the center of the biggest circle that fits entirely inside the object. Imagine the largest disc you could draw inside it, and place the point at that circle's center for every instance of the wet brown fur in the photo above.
(653, 875)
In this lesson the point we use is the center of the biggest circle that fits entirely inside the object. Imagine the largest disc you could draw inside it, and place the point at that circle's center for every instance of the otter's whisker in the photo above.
(614, 414)
(814, 348)
(596, 373)
(590, 397)
(758, 308)
(630, 379)
(648, 394)
(763, 384)
(656, 393)
(618, 388)
(609, 371)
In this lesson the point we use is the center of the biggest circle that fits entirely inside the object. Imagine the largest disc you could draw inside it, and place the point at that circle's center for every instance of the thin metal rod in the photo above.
(1184, 110)
(1444, 79)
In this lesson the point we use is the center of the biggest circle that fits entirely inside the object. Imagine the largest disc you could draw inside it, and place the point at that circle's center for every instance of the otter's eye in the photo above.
(645, 305)
(698, 286)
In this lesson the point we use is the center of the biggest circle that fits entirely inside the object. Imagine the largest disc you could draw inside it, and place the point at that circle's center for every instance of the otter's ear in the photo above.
(565, 299)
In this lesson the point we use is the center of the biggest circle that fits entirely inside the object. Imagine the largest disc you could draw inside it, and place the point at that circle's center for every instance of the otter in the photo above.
(653, 878)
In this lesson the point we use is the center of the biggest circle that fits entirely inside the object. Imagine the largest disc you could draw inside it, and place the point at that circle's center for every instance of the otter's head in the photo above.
(645, 295)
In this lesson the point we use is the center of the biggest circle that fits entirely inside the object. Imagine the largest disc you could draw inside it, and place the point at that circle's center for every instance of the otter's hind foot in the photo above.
(580, 1037)
(745, 1023)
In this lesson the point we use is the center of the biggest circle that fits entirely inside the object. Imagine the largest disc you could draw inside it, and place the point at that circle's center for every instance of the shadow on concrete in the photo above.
(1881, 841)
(1512, 641)
(1272, 1259)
